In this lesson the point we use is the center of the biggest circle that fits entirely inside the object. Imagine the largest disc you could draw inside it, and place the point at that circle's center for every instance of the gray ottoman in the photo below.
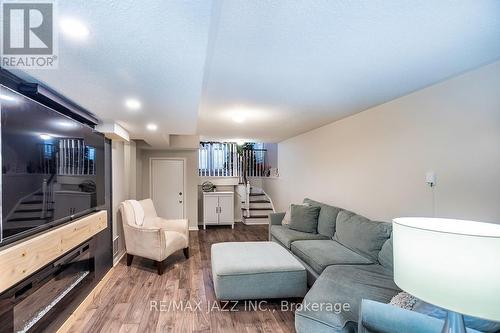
(256, 270)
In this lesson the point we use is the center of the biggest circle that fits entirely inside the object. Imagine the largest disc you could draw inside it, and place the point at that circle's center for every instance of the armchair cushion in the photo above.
(180, 226)
(148, 207)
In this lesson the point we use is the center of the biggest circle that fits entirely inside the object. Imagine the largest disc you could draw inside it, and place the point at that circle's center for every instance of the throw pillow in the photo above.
(286, 218)
(304, 218)
(478, 324)
(404, 300)
(385, 256)
(327, 217)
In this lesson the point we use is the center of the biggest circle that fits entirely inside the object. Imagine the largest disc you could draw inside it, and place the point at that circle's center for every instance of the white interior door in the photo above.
(167, 187)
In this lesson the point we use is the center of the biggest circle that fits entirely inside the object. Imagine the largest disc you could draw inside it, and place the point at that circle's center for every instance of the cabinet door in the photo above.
(226, 204)
(210, 214)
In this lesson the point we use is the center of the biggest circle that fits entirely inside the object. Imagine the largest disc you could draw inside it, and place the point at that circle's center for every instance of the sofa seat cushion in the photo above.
(346, 284)
(286, 236)
(320, 254)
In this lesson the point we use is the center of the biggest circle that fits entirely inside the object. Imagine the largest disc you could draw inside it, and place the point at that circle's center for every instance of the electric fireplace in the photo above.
(33, 304)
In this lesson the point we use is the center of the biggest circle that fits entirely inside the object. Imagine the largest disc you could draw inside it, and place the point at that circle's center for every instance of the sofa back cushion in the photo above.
(304, 218)
(360, 234)
(385, 256)
(327, 217)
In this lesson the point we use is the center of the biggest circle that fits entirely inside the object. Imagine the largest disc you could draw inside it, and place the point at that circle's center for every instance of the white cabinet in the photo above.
(218, 208)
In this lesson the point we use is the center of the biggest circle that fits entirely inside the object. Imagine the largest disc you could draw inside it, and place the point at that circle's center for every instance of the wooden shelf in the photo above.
(23, 259)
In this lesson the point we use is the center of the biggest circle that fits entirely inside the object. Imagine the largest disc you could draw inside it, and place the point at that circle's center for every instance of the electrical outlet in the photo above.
(430, 178)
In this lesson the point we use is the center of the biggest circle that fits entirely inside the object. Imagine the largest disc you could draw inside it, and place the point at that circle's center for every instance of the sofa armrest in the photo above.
(275, 219)
(180, 226)
(378, 317)
(145, 242)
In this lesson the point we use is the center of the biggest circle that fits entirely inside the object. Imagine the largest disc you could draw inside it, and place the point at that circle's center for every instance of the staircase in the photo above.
(258, 208)
(31, 211)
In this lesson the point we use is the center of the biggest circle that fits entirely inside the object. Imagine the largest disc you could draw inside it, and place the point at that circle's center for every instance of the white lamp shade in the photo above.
(453, 264)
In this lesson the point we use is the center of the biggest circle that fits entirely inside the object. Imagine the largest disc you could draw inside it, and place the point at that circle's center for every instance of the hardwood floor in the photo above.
(137, 299)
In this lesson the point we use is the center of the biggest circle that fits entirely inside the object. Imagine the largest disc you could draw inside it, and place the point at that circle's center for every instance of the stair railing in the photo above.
(247, 199)
(44, 199)
(46, 196)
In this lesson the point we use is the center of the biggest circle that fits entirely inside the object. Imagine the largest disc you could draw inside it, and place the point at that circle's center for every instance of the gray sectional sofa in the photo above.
(347, 260)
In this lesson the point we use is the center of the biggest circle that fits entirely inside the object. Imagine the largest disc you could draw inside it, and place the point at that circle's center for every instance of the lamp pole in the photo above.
(454, 323)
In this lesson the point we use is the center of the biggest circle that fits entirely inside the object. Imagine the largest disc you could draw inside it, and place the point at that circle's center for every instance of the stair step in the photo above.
(32, 202)
(260, 205)
(29, 202)
(260, 201)
(258, 208)
(251, 221)
(32, 210)
(257, 217)
(21, 219)
(256, 194)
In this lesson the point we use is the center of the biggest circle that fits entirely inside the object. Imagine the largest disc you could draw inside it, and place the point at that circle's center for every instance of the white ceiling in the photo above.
(150, 50)
(287, 66)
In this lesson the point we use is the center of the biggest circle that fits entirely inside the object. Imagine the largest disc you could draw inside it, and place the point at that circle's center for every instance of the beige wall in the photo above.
(124, 175)
(191, 157)
(374, 163)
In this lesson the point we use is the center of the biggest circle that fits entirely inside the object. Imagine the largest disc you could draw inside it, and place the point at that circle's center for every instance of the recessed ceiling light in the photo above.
(65, 124)
(239, 117)
(74, 28)
(152, 127)
(133, 104)
(7, 98)
(45, 137)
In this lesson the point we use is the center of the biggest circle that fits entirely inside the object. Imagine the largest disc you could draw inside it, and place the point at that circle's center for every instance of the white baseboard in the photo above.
(195, 228)
(119, 257)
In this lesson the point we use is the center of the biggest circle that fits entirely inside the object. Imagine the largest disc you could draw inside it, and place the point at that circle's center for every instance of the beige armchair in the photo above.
(150, 236)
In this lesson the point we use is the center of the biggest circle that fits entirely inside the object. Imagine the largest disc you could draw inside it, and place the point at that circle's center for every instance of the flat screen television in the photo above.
(52, 167)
